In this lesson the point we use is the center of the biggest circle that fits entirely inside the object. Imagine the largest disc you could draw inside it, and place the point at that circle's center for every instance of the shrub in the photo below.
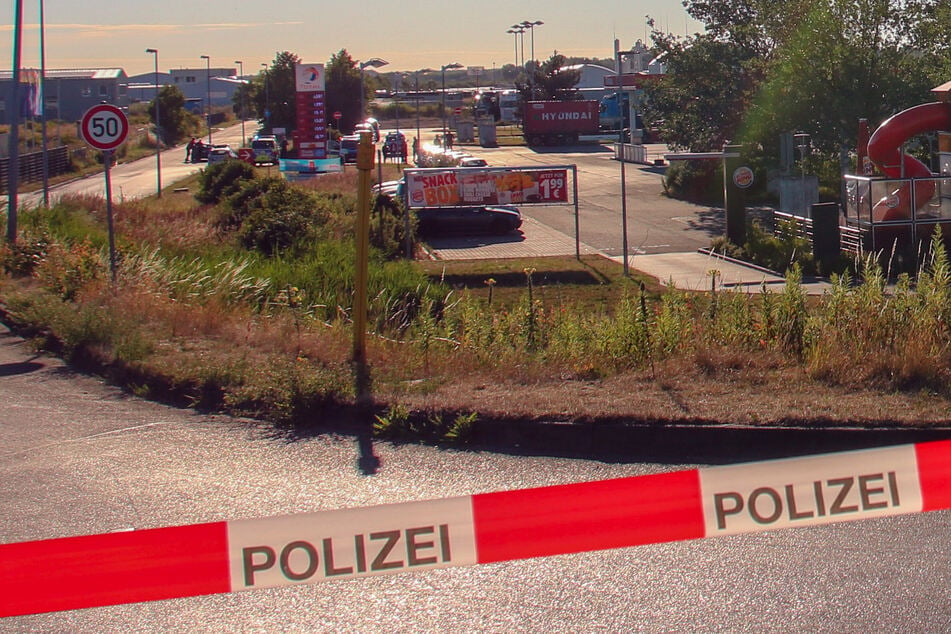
(388, 226)
(696, 181)
(280, 218)
(220, 180)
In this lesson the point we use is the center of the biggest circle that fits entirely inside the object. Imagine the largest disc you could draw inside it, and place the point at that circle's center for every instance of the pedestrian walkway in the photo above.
(694, 271)
(691, 271)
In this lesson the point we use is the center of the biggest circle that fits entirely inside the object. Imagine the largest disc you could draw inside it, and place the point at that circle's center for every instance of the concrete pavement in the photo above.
(691, 270)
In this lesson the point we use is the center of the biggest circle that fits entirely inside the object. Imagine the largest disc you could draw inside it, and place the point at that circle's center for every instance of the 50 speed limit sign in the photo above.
(104, 127)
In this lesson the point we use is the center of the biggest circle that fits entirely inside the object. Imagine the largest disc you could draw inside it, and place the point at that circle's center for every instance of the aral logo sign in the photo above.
(309, 77)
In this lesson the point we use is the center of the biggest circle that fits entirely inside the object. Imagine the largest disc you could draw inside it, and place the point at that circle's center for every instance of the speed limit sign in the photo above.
(104, 127)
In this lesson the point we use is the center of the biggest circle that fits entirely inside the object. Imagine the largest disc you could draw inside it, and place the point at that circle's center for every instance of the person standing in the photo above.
(189, 148)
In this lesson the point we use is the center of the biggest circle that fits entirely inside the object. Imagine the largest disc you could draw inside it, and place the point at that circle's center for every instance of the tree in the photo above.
(279, 93)
(707, 85)
(549, 81)
(176, 123)
(763, 68)
(343, 89)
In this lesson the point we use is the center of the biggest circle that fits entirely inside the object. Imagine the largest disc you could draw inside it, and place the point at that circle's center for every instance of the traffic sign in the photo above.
(246, 154)
(105, 127)
(338, 115)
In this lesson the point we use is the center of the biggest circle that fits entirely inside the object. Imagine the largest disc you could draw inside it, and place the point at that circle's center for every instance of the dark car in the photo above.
(497, 220)
(348, 148)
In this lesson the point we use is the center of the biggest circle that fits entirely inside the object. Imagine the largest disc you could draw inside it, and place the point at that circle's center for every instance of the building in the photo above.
(591, 83)
(70, 93)
(199, 83)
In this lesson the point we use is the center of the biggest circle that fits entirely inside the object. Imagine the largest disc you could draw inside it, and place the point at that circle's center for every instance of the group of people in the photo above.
(195, 151)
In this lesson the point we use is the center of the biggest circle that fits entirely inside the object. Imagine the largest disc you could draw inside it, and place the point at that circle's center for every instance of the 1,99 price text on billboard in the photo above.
(552, 186)
(104, 127)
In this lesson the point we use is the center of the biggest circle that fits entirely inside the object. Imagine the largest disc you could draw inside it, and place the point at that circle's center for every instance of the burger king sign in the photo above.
(743, 177)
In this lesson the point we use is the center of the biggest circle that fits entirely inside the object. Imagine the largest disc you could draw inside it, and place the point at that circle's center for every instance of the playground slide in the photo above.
(884, 150)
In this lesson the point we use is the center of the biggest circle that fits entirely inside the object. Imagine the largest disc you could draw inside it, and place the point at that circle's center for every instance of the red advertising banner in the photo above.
(469, 186)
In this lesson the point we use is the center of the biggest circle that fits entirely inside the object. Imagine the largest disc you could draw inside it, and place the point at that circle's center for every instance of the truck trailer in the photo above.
(558, 122)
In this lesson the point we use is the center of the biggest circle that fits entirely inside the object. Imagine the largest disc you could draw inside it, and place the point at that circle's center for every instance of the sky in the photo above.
(409, 34)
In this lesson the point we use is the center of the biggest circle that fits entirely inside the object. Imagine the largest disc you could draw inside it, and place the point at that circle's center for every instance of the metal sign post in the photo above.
(105, 127)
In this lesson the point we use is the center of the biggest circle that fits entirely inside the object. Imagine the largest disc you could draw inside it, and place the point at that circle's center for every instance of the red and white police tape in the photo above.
(165, 563)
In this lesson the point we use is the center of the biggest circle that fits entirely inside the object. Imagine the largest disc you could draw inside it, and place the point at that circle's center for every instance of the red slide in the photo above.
(884, 150)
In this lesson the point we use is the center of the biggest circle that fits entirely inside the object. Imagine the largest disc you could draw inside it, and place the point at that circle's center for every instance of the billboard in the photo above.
(496, 186)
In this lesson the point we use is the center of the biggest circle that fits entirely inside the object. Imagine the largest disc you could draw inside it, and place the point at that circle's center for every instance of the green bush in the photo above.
(220, 180)
(695, 181)
(279, 218)
(388, 226)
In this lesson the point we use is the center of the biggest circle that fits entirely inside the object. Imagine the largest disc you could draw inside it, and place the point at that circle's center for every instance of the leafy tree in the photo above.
(343, 89)
(815, 66)
(176, 123)
(708, 86)
(276, 89)
(551, 81)
(930, 36)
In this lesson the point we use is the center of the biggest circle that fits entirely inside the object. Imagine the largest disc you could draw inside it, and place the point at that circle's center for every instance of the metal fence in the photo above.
(851, 238)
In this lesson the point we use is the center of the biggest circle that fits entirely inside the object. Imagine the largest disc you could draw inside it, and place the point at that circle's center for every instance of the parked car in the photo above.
(497, 220)
(220, 153)
(394, 146)
(266, 149)
(366, 127)
(393, 189)
(471, 161)
(348, 148)
(200, 152)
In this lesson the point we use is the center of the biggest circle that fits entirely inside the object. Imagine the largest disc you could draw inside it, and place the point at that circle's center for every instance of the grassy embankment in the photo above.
(243, 306)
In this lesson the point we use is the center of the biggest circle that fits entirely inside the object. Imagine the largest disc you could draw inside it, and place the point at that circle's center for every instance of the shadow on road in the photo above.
(22, 367)
(449, 241)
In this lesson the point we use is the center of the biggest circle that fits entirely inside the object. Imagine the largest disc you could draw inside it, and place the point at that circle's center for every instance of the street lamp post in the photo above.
(208, 94)
(516, 30)
(158, 128)
(46, 161)
(244, 139)
(520, 30)
(618, 56)
(451, 66)
(375, 62)
(267, 99)
(531, 28)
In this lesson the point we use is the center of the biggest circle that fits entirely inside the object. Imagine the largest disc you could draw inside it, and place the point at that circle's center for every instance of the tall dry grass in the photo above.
(210, 326)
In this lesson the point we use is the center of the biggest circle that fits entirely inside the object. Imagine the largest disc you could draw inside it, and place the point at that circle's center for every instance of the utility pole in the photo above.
(13, 107)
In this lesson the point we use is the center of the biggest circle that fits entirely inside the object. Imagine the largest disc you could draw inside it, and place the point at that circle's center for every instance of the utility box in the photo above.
(465, 133)
(797, 194)
(487, 133)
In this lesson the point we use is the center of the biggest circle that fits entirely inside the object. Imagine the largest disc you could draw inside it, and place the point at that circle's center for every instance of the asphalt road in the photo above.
(78, 457)
(137, 179)
(655, 224)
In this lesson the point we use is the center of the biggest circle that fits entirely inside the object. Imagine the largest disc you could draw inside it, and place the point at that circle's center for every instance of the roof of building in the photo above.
(75, 73)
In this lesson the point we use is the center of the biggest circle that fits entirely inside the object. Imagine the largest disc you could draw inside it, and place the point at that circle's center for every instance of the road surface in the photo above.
(78, 457)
